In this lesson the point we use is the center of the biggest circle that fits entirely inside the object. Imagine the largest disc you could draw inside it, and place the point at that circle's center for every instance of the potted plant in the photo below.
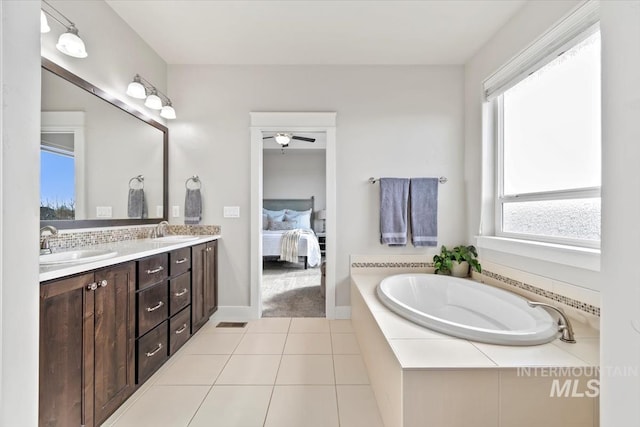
(456, 262)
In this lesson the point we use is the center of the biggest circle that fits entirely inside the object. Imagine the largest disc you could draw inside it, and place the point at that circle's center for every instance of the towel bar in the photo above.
(441, 180)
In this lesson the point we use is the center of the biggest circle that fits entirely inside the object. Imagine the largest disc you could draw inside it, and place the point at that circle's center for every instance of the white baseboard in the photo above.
(343, 312)
(234, 313)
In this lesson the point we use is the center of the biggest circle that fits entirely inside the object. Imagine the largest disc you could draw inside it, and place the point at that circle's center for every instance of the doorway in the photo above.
(265, 125)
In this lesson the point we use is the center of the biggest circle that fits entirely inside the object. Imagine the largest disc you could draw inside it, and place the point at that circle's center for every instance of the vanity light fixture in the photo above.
(282, 138)
(141, 88)
(69, 42)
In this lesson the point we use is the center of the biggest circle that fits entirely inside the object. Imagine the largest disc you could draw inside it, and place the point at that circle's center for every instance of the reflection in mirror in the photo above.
(91, 149)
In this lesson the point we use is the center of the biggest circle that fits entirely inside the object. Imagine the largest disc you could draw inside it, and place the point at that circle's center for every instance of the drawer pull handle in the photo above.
(183, 260)
(92, 286)
(209, 249)
(182, 292)
(153, 353)
(155, 270)
(181, 330)
(103, 283)
(155, 307)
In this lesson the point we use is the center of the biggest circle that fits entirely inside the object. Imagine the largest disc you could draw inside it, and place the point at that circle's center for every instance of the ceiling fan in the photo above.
(285, 138)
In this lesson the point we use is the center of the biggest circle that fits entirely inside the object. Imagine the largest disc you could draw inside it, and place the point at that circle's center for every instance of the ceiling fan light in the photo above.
(282, 138)
(44, 23)
(168, 112)
(71, 44)
(136, 89)
(153, 101)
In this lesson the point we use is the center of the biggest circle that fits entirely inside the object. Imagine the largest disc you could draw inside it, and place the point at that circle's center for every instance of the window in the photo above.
(57, 176)
(549, 145)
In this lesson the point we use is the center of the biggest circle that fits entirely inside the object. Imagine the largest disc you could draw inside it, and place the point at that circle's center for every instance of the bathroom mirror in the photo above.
(100, 158)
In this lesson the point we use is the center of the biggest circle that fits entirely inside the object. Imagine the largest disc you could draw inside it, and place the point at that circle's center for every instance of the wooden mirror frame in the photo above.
(94, 223)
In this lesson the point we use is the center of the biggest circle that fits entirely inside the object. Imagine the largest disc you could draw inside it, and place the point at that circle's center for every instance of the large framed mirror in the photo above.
(102, 162)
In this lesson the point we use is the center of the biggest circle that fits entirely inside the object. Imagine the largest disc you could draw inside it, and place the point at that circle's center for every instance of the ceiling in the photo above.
(302, 32)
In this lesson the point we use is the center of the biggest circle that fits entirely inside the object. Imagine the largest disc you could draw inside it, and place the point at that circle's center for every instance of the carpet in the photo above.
(288, 290)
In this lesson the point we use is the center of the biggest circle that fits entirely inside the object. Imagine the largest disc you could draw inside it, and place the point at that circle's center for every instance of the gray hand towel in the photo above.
(394, 194)
(193, 206)
(424, 211)
(136, 203)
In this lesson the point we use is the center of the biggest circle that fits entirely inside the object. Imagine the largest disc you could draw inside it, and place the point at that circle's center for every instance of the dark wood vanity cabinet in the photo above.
(86, 346)
(204, 283)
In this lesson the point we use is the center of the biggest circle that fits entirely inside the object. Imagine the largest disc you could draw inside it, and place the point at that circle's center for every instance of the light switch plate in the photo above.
(104, 211)
(231, 212)
(176, 211)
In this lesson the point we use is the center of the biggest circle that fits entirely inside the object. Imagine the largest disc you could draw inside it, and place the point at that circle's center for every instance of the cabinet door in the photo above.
(114, 338)
(66, 352)
(211, 278)
(198, 310)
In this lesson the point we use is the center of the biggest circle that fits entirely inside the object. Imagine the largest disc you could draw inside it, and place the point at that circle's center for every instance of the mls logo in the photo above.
(571, 388)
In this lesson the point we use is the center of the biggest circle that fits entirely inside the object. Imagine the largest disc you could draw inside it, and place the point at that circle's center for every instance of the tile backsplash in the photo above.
(77, 238)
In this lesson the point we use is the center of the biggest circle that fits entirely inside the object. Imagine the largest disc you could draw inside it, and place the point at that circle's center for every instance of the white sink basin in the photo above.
(175, 238)
(77, 256)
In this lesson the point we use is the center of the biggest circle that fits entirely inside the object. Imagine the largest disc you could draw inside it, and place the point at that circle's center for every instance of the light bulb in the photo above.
(136, 90)
(71, 44)
(153, 101)
(282, 138)
(168, 112)
(44, 24)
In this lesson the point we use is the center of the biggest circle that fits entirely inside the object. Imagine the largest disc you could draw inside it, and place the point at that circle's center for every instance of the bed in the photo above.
(308, 247)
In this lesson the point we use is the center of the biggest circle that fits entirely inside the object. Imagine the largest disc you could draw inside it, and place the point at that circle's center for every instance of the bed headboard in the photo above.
(293, 204)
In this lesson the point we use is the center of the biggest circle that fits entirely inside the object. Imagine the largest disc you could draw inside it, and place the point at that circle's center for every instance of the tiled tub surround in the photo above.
(421, 377)
(71, 239)
(127, 250)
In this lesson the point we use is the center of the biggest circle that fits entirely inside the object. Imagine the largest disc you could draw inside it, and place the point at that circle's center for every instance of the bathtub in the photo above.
(467, 309)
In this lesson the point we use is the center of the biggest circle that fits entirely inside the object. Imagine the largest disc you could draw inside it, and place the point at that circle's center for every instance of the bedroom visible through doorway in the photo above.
(293, 230)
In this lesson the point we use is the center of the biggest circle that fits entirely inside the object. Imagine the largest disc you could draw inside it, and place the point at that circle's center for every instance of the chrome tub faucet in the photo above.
(564, 325)
(44, 238)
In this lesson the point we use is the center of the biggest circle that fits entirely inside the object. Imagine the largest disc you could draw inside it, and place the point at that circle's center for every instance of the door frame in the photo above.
(292, 122)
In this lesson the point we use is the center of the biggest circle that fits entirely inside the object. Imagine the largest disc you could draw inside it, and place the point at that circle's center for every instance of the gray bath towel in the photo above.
(137, 205)
(424, 211)
(394, 194)
(193, 206)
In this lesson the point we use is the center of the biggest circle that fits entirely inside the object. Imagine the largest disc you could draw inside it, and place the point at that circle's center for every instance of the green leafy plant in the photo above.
(443, 262)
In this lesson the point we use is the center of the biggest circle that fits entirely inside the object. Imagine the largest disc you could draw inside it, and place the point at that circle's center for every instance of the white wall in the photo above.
(529, 23)
(19, 213)
(392, 121)
(116, 52)
(296, 174)
(620, 341)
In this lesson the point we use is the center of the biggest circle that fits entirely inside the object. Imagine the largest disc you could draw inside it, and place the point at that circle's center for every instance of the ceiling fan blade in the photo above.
(267, 137)
(302, 138)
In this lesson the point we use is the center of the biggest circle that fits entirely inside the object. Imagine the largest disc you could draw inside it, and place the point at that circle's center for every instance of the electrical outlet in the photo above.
(159, 211)
(231, 212)
(104, 211)
(176, 211)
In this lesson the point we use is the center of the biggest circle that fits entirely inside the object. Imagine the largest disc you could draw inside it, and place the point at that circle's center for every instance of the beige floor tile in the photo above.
(212, 343)
(305, 369)
(234, 406)
(261, 344)
(308, 406)
(301, 325)
(194, 369)
(211, 327)
(340, 326)
(344, 344)
(164, 406)
(250, 370)
(357, 406)
(308, 344)
(269, 325)
(350, 369)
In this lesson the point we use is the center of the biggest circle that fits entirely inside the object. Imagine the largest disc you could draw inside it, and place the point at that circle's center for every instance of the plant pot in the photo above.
(460, 269)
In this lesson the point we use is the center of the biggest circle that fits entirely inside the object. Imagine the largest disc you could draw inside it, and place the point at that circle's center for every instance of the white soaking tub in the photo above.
(467, 309)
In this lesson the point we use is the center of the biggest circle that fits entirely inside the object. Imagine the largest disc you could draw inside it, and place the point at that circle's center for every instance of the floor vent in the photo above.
(231, 325)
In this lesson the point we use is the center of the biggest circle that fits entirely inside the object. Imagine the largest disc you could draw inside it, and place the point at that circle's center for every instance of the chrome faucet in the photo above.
(161, 228)
(44, 239)
(564, 325)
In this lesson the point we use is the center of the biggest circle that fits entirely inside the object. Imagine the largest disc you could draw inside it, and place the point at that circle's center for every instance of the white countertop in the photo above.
(416, 347)
(127, 250)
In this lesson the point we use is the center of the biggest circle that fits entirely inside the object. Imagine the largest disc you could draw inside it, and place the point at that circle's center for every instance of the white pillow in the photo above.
(301, 218)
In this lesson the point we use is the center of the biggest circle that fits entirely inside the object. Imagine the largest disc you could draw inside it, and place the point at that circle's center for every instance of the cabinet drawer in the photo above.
(179, 261)
(179, 293)
(152, 351)
(152, 270)
(153, 307)
(179, 330)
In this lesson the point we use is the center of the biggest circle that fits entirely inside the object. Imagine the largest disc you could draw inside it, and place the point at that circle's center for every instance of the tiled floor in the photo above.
(275, 372)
